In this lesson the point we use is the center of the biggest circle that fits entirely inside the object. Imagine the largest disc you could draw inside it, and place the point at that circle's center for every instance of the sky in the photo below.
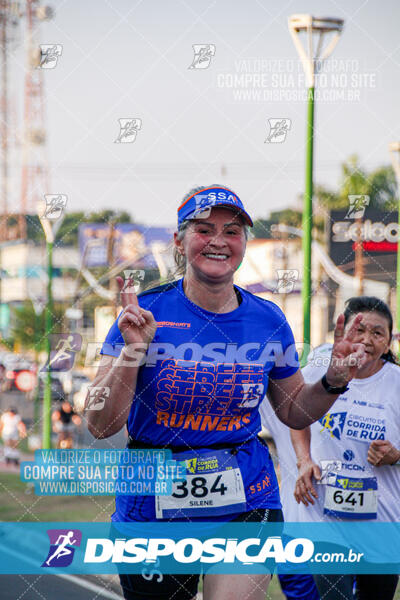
(130, 59)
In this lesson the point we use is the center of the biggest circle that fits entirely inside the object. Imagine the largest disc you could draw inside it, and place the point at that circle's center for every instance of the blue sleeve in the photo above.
(114, 341)
(288, 363)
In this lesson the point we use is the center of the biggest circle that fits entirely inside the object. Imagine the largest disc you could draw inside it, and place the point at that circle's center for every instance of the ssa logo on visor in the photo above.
(199, 205)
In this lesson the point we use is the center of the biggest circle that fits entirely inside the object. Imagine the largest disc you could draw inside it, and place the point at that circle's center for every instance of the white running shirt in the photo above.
(286, 457)
(10, 425)
(369, 410)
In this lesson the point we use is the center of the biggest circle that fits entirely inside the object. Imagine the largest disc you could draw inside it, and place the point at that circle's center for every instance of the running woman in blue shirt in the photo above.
(187, 365)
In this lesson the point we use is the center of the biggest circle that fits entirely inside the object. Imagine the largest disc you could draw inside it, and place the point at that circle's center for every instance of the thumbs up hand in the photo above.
(137, 325)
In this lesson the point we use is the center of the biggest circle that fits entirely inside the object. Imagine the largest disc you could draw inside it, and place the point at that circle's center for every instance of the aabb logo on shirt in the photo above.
(334, 423)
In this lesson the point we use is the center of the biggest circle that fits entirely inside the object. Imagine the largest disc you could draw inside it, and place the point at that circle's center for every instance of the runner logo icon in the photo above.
(128, 129)
(62, 547)
(55, 204)
(278, 129)
(49, 55)
(329, 468)
(334, 423)
(357, 205)
(203, 54)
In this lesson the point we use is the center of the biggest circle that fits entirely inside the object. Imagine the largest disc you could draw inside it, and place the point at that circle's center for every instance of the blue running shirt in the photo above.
(202, 381)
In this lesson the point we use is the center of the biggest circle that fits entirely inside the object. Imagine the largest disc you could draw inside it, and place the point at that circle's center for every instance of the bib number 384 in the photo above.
(196, 487)
(351, 498)
(212, 486)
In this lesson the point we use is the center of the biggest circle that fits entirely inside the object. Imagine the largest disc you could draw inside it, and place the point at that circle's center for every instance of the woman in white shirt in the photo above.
(359, 438)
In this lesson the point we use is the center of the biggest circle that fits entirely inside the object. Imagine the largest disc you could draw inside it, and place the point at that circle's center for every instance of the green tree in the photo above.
(67, 235)
(354, 179)
(383, 188)
(379, 185)
(29, 328)
(34, 230)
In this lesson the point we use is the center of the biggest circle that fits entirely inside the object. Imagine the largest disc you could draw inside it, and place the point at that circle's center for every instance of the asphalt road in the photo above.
(51, 587)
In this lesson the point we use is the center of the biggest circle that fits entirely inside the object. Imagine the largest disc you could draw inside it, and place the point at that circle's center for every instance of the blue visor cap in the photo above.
(200, 204)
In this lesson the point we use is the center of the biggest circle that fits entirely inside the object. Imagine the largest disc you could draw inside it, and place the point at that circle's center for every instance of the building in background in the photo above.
(24, 277)
(272, 269)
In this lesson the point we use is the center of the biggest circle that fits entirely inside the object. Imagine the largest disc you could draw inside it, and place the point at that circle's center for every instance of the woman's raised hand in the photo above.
(137, 325)
(347, 355)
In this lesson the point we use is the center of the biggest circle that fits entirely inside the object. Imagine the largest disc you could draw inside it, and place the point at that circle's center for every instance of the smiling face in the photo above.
(373, 331)
(214, 246)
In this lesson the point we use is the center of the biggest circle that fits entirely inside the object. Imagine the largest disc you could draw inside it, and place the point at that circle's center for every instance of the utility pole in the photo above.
(110, 259)
(314, 32)
(394, 149)
(359, 271)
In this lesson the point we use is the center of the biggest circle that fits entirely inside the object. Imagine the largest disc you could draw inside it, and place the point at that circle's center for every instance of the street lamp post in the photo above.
(394, 149)
(311, 27)
(50, 229)
(38, 308)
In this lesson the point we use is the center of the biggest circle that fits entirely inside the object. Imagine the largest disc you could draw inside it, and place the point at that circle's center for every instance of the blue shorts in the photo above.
(151, 584)
(299, 587)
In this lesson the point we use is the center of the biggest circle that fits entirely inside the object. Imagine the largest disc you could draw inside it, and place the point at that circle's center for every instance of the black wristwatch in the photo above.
(331, 389)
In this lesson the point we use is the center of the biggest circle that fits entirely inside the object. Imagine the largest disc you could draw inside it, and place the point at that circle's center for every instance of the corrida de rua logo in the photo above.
(358, 426)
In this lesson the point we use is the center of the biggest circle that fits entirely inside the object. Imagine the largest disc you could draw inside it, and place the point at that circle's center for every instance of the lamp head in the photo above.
(319, 28)
(317, 24)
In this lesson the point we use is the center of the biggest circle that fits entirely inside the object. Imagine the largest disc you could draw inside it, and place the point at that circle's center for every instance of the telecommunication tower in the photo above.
(9, 20)
(34, 182)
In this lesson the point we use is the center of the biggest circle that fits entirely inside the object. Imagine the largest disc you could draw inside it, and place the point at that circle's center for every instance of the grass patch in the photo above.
(18, 503)
(274, 590)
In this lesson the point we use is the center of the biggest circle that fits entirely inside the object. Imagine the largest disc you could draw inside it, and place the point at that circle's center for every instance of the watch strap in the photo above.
(331, 389)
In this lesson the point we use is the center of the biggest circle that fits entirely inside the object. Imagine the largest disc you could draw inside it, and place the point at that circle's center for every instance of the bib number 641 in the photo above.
(353, 498)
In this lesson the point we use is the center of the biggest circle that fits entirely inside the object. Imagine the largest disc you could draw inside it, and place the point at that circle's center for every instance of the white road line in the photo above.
(100, 591)
(91, 586)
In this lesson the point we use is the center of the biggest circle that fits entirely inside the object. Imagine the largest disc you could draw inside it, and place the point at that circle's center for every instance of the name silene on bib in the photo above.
(212, 486)
(351, 498)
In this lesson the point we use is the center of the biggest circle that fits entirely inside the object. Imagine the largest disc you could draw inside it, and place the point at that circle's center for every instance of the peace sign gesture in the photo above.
(347, 356)
(137, 325)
